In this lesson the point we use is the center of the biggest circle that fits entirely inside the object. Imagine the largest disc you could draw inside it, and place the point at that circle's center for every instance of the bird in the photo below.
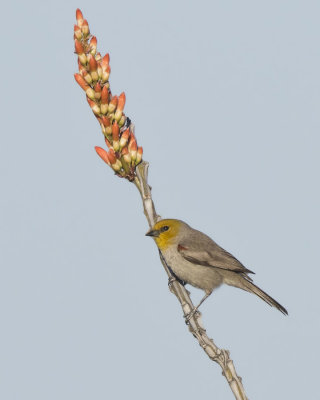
(195, 259)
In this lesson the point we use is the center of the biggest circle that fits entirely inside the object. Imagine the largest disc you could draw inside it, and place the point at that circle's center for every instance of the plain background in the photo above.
(225, 98)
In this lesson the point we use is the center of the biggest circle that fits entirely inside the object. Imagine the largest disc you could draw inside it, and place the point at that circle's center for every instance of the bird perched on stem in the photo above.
(196, 259)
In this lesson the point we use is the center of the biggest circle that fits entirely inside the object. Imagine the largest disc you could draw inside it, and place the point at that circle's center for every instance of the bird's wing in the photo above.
(204, 251)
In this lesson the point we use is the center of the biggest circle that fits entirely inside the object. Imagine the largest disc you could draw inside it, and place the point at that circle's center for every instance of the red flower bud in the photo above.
(93, 64)
(78, 47)
(133, 147)
(105, 95)
(115, 136)
(107, 143)
(82, 83)
(112, 157)
(79, 17)
(94, 107)
(103, 154)
(121, 101)
(93, 45)
(85, 28)
(126, 155)
(77, 32)
(105, 74)
(86, 75)
(115, 131)
(97, 90)
(124, 138)
(113, 104)
(106, 121)
(105, 62)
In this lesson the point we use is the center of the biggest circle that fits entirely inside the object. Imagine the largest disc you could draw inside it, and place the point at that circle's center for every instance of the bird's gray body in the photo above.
(202, 263)
(197, 275)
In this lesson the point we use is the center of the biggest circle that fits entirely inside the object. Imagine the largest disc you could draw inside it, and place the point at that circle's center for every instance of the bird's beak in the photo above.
(153, 233)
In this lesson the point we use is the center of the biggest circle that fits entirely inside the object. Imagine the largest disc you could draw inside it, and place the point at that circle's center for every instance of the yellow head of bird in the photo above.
(165, 232)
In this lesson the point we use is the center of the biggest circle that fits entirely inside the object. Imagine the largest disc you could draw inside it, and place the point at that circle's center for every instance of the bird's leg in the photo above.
(191, 313)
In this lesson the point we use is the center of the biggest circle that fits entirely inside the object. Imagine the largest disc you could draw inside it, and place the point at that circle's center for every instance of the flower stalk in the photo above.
(124, 156)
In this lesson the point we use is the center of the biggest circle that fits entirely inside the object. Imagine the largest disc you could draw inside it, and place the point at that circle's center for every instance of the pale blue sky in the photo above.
(225, 98)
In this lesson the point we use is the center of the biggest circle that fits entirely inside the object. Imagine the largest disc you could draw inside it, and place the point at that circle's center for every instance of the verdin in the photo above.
(196, 259)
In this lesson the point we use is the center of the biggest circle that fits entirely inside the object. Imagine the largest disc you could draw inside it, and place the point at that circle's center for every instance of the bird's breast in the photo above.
(205, 278)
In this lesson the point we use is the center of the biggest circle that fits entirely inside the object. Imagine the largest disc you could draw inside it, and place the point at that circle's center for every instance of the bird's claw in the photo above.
(190, 315)
(171, 280)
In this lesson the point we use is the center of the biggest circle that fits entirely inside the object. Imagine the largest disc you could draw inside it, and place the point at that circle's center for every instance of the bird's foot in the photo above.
(174, 278)
(191, 314)
(171, 280)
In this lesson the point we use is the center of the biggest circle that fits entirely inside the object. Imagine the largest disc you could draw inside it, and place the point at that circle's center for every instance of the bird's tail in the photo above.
(252, 288)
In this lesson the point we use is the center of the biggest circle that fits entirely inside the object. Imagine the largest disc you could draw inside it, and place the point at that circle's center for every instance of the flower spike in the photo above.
(93, 77)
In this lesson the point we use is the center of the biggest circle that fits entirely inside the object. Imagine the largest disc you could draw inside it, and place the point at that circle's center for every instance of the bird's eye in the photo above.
(165, 228)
